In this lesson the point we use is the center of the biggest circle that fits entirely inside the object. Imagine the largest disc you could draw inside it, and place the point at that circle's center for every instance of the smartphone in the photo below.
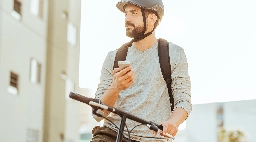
(123, 64)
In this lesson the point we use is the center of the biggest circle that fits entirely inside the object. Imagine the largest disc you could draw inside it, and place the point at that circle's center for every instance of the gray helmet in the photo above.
(155, 5)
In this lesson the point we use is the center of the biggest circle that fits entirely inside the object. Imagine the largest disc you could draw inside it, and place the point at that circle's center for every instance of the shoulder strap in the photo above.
(121, 54)
(164, 60)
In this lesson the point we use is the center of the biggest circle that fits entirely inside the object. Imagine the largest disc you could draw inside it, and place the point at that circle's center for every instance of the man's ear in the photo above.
(152, 19)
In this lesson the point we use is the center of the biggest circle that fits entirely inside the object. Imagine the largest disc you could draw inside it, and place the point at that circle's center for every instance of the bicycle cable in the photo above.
(128, 131)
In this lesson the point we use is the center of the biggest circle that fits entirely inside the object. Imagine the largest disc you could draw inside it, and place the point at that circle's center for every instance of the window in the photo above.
(17, 4)
(70, 85)
(71, 34)
(13, 86)
(35, 71)
(36, 7)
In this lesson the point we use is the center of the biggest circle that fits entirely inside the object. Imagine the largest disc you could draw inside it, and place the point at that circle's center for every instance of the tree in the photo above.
(234, 135)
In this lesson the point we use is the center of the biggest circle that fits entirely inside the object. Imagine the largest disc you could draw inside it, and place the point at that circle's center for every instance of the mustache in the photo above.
(129, 24)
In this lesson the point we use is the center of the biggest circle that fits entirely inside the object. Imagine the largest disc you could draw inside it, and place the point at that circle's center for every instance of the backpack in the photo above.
(164, 60)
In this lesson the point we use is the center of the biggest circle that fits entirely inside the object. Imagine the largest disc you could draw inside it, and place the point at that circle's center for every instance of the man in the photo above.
(140, 88)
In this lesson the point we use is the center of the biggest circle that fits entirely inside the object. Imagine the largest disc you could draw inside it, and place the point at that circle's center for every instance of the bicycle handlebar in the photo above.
(96, 103)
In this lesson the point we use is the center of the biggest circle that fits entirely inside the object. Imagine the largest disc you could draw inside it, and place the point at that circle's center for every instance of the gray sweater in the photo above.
(147, 97)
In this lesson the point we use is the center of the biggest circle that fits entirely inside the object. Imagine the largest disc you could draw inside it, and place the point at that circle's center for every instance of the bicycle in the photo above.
(96, 103)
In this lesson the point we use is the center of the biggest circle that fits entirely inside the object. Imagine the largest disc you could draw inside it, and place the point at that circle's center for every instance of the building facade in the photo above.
(206, 120)
(39, 66)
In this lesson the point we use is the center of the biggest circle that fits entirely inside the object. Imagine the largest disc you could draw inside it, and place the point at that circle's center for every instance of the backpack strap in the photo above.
(121, 53)
(164, 60)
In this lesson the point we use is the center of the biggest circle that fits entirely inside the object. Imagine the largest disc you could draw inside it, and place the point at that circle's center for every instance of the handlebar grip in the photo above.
(153, 127)
(160, 127)
(157, 126)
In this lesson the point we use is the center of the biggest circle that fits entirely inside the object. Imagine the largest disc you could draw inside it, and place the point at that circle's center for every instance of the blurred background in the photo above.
(51, 47)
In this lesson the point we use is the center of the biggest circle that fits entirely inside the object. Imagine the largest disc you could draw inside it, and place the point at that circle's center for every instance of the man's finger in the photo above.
(116, 70)
(165, 128)
(169, 135)
(155, 133)
(125, 70)
(173, 130)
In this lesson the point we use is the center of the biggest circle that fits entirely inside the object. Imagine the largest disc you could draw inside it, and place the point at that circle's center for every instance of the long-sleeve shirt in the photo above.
(148, 96)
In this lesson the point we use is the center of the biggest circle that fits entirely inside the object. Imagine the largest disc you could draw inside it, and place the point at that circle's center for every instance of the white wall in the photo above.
(19, 43)
(241, 115)
(31, 37)
(202, 125)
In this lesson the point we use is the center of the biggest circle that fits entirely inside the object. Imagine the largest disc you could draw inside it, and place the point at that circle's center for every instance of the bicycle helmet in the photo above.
(154, 5)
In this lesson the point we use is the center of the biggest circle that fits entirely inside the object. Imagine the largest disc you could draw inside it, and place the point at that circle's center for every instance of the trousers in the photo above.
(105, 134)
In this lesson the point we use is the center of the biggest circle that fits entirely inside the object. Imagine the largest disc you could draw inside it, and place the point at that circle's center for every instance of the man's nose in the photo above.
(127, 18)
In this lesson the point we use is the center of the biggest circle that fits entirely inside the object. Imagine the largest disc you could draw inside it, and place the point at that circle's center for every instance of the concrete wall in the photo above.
(73, 123)
(39, 107)
(55, 101)
(201, 126)
(241, 115)
(21, 41)
(1, 22)
(61, 114)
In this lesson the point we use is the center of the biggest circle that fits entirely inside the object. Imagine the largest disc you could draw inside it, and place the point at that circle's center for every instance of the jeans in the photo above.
(105, 134)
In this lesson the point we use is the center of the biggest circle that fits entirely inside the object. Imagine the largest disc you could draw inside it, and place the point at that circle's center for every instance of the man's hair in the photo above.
(148, 11)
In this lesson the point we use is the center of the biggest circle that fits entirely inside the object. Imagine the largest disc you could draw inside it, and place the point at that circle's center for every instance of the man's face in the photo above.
(133, 21)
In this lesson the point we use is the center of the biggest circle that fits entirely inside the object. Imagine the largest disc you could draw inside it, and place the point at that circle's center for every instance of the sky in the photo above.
(218, 38)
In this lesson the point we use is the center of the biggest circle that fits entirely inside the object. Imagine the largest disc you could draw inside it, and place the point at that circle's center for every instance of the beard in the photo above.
(135, 32)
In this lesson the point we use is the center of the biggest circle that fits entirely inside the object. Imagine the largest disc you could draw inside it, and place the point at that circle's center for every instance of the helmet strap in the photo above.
(144, 20)
(143, 35)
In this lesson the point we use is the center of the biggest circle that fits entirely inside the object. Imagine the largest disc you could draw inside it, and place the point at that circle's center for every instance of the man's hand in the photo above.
(171, 125)
(123, 78)
(169, 128)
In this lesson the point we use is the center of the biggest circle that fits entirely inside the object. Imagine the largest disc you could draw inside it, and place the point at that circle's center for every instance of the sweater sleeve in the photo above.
(181, 85)
(106, 79)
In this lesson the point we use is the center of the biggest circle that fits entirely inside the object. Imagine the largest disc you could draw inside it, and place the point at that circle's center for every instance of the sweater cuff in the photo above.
(185, 105)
